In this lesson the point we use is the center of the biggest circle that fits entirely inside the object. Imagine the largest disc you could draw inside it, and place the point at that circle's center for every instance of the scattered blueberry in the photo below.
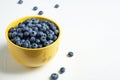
(35, 8)
(54, 76)
(20, 1)
(40, 13)
(62, 70)
(56, 6)
(70, 54)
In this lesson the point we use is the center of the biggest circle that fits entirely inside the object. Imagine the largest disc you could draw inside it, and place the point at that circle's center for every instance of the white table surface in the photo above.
(90, 28)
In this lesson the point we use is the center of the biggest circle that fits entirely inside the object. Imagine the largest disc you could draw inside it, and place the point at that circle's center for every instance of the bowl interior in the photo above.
(16, 22)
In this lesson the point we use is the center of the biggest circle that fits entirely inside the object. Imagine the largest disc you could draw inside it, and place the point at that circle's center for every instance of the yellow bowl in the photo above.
(28, 56)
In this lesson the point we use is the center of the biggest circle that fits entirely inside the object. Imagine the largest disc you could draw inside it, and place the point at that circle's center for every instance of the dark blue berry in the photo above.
(39, 33)
(21, 25)
(40, 13)
(54, 76)
(35, 28)
(40, 45)
(25, 44)
(14, 34)
(43, 39)
(22, 41)
(70, 54)
(28, 41)
(50, 41)
(62, 70)
(50, 36)
(35, 21)
(54, 37)
(26, 29)
(43, 28)
(52, 26)
(34, 45)
(29, 24)
(56, 6)
(20, 1)
(19, 43)
(33, 33)
(26, 34)
(38, 25)
(35, 8)
(12, 30)
(10, 35)
(46, 43)
(20, 35)
(19, 30)
(37, 41)
(32, 39)
(56, 32)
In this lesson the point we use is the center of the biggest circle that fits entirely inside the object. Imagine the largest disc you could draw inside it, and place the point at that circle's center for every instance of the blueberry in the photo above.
(50, 36)
(70, 54)
(10, 35)
(22, 41)
(40, 13)
(50, 41)
(52, 26)
(26, 34)
(56, 6)
(35, 21)
(20, 35)
(14, 34)
(32, 39)
(43, 28)
(40, 33)
(35, 8)
(30, 30)
(56, 32)
(43, 39)
(25, 44)
(18, 43)
(20, 1)
(38, 25)
(33, 33)
(29, 24)
(46, 43)
(54, 76)
(12, 30)
(35, 28)
(45, 25)
(28, 41)
(21, 25)
(34, 45)
(19, 30)
(17, 38)
(62, 70)
(51, 32)
(54, 37)
(28, 21)
(40, 45)
(37, 41)
(26, 28)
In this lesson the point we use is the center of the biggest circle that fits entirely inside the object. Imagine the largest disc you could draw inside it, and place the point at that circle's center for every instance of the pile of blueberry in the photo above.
(34, 33)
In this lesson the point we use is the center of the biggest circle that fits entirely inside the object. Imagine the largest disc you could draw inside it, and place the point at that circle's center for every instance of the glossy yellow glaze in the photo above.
(32, 57)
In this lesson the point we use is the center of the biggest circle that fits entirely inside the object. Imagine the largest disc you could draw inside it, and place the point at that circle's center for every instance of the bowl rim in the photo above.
(27, 17)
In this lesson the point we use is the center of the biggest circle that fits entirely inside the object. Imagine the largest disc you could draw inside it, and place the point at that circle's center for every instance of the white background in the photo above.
(90, 28)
